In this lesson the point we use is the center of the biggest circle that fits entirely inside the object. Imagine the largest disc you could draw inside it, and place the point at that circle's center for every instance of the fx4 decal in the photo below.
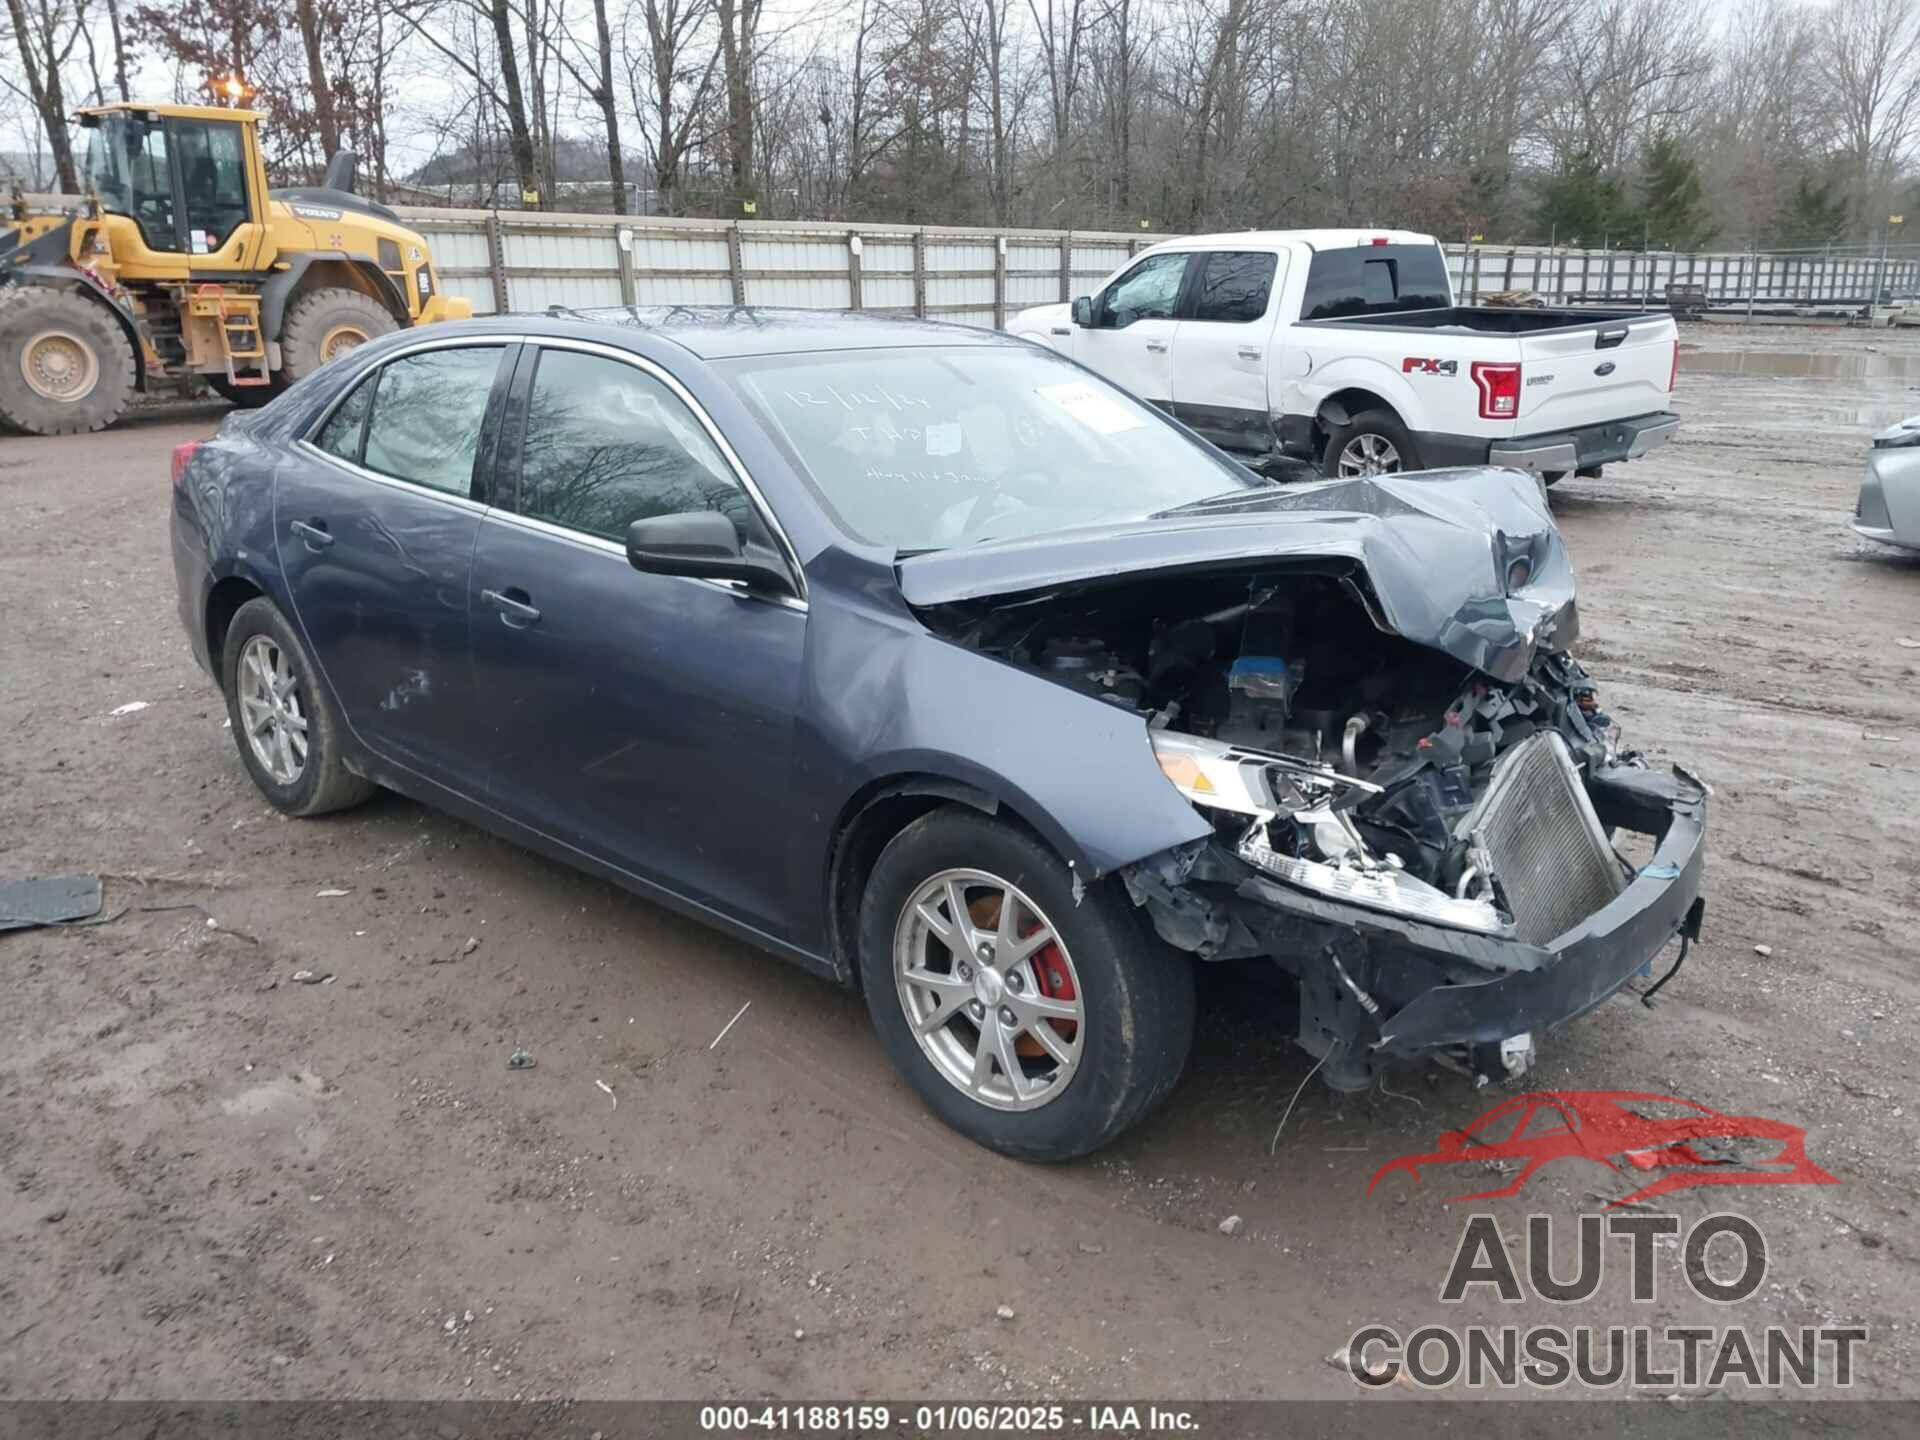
(1417, 364)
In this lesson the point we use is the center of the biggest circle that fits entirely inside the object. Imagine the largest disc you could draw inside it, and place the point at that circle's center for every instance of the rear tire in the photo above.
(1374, 442)
(307, 775)
(66, 366)
(323, 325)
(1133, 997)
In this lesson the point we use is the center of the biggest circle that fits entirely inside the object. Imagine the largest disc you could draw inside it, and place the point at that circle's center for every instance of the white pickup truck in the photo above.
(1343, 348)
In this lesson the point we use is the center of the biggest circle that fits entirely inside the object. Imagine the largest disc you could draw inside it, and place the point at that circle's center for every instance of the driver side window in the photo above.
(1149, 291)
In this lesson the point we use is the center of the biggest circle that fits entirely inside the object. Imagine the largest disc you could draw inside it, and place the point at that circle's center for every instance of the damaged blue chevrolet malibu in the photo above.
(930, 661)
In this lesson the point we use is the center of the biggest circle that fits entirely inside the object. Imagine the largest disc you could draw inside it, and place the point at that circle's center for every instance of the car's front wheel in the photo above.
(1035, 1021)
(283, 720)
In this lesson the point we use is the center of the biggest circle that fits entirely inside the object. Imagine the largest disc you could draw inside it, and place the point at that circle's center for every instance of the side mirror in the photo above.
(1083, 311)
(703, 544)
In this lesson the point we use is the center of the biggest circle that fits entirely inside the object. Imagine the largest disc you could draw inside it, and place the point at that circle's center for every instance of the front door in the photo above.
(1221, 359)
(375, 516)
(645, 720)
(1131, 338)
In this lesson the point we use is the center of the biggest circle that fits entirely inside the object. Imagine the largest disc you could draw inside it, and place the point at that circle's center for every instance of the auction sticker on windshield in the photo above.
(1099, 413)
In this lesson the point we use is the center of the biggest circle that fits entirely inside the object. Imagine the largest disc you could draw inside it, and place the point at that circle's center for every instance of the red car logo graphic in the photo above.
(1626, 1131)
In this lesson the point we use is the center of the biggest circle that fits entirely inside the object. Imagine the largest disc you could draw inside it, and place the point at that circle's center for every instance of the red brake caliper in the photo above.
(1056, 983)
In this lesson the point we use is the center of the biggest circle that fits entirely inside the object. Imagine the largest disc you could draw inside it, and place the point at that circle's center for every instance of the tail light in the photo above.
(1673, 371)
(1499, 390)
(182, 457)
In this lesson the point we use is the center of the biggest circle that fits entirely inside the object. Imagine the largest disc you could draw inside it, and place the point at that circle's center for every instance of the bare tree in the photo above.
(739, 41)
(1870, 53)
(598, 85)
(46, 32)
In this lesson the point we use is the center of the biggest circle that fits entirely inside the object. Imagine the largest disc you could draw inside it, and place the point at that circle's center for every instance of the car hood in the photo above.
(1440, 551)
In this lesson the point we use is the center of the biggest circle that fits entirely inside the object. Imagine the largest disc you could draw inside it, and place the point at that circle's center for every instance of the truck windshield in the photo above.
(1375, 280)
(927, 449)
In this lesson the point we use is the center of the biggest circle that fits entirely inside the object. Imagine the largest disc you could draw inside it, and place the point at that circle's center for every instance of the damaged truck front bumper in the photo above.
(1376, 986)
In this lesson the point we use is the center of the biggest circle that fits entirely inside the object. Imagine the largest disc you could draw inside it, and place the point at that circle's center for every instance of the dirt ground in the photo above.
(217, 1182)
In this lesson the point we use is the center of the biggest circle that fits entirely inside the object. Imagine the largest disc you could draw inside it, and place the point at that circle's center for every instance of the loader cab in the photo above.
(190, 177)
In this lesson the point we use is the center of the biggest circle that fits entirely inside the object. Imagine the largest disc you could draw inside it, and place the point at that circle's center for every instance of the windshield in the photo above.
(926, 449)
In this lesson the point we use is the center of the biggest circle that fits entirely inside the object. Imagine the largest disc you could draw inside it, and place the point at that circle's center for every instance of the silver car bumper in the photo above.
(1888, 508)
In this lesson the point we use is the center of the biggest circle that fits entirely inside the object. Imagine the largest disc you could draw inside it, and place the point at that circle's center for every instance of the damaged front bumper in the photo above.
(1376, 986)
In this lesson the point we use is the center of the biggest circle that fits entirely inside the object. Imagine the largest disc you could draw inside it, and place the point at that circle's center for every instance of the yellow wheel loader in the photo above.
(180, 262)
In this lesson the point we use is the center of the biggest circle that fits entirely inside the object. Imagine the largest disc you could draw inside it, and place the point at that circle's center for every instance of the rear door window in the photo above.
(347, 426)
(427, 413)
(608, 444)
(1234, 287)
(1374, 280)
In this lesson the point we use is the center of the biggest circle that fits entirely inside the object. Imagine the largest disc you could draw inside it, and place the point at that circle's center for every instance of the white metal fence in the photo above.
(522, 261)
(508, 262)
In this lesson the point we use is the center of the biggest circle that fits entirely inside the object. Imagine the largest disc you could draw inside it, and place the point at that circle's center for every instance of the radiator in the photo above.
(1549, 853)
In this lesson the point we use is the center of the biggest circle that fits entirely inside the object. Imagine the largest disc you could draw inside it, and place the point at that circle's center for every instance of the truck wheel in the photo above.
(1374, 442)
(65, 364)
(323, 325)
(1036, 1017)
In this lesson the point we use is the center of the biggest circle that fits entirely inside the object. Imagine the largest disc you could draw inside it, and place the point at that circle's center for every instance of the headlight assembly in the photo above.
(1277, 790)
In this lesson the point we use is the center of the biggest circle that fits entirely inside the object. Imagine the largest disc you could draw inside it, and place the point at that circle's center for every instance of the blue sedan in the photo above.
(928, 660)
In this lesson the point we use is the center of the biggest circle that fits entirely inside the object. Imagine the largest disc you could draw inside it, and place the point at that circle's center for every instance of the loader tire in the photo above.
(323, 325)
(66, 366)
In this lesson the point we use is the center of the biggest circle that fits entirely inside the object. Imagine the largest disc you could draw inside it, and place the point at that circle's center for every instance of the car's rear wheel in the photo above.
(283, 720)
(1374, 442)
(1039, 1023)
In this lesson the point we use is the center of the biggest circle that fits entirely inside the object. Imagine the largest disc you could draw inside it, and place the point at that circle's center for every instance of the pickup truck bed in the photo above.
(1486, 319)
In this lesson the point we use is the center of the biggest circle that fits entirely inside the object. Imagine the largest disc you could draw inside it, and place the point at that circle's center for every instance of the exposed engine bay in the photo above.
(1332, 741)
(1349, 773)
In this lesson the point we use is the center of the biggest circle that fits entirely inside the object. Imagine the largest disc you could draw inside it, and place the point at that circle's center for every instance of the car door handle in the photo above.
(1249, 352)
(1157, 347)
(313, 532)
(516, 613)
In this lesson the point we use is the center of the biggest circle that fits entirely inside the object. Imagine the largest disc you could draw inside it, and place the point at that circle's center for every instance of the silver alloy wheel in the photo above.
(967, 953)
(1369, 454)
(271, 709)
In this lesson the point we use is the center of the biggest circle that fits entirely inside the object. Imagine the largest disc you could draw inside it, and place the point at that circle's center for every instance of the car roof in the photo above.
(715, 332)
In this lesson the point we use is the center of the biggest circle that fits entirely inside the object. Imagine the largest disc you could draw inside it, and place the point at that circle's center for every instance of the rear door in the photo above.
(1220, 352)
(1134, 325)
(644, 720)
(375, 516)
(1611, 370)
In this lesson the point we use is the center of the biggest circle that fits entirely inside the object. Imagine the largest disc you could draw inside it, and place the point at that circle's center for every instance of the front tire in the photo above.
(284, 722)
(65, 365)
(1374, 442)
(1043, 1023)
(323, 325)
